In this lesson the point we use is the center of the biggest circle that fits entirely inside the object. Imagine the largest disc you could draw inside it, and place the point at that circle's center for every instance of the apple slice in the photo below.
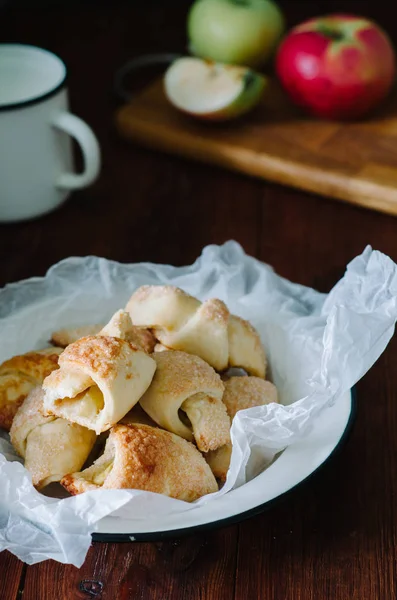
(212, 91)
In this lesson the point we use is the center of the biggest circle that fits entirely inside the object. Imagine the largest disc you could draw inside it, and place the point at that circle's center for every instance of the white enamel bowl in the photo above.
(292, 467)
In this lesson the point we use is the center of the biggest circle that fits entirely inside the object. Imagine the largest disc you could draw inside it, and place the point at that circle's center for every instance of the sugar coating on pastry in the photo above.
(160, 347)
(137, 416)
(207, 417)
(51, 446)
(245, 347)
(143, 338)
(19, 376)
(119, 326)
(185, 397)
(181, 322)
(247, 392)
(29, 416)
(99, 380)
(204, 334)
(165, 305)
(147, 458)
(219, 461)
(240, 393)
(69, 335)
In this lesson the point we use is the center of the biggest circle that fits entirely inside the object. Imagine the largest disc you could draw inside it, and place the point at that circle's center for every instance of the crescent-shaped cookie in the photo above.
(99, 380)
(247, 392)
(68, 335)
(51, 447)
(137, 416)
(240, 393)
(19, 376)
(139, 336)
(146, 458)
(181, 322)
(185, 397)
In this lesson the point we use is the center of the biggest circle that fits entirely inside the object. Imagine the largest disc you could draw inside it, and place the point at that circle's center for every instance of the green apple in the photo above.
(212, 91)
(241, 32)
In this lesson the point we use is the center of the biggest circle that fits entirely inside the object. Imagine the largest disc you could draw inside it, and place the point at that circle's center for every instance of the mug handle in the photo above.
(89, 145)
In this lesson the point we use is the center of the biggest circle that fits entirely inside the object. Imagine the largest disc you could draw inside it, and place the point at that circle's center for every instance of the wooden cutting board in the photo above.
(354, 162)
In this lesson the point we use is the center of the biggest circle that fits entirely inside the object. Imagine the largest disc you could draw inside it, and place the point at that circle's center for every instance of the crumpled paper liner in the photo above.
(318, 347)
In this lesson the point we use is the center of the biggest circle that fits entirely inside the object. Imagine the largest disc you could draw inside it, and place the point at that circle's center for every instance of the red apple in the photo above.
(337, 66)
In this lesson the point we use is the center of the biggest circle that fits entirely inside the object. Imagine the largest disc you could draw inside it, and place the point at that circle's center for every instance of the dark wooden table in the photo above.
(333, 538)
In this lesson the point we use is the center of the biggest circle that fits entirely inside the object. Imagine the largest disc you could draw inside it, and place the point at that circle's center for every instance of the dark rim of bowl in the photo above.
(252, 512)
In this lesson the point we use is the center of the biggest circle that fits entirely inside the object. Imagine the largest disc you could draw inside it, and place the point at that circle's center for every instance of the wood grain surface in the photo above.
(355, 162)
(335, 537)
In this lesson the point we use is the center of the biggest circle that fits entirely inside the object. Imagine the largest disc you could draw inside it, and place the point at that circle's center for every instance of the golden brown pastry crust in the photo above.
(247, 392)
(147, 458)
(137, 416)
(245, 347)
(19, 376)
(143, 338)
(240, 393)
(185, 383)
(160, 347)
(219, 461)
(50, 446)
(121, 326)
(29, 416)
(139, 336)
(100, 379)
(68, 335)
(206, 329)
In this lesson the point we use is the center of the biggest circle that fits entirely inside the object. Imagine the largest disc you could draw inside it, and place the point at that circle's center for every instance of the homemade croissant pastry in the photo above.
(51, 447)
(207, 329)
(68, 335)
(146, 458)
(21, 374)
(240, 393)
(137, 416)
(185, 397)
(100, 378)
(247, 392)
(139, 336)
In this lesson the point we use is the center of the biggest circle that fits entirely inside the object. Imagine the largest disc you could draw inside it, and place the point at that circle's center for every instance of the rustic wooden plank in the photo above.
(11, 571)
(144, 207)
(165, 211)
(199, 215)
(306, 240)
(192, 568)
(335, 537)
(272, 143)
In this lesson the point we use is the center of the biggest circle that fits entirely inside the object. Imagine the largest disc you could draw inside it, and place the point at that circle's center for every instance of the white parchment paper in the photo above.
(318, 347)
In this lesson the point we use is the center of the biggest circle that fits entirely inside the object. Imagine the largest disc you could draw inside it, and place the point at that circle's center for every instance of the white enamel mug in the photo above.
(36, 161)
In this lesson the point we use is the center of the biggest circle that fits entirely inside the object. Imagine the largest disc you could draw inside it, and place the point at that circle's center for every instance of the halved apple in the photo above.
(212, 91)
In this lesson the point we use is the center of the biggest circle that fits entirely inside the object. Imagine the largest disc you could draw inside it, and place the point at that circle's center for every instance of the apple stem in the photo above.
(249, 79)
